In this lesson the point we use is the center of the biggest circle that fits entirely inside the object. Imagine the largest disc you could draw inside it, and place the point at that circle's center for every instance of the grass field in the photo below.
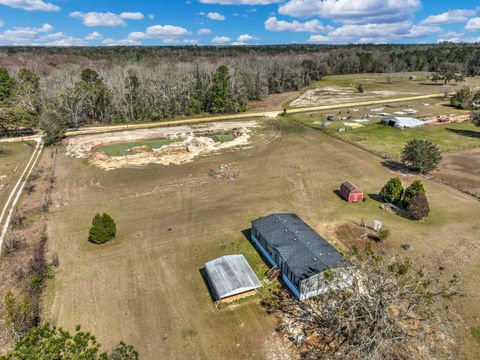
(145, 286)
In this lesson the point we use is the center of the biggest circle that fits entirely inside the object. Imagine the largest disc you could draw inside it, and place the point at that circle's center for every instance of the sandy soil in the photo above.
(337, 94)
(191, 143)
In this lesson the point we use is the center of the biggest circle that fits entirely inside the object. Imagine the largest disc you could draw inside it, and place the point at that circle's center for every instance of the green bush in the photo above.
(392, 190)
(383, 234)
(411, 191)
(475, 117)
(18, 314)
(103, 229)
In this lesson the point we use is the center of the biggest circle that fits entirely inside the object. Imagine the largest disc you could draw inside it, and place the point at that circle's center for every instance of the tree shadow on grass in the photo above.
(395, 166)
(467, 133)
(376, 197)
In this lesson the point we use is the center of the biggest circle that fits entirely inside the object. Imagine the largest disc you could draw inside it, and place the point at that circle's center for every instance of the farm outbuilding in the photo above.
(309, 265)
(231, 278)
(351, 193)
(402, 122)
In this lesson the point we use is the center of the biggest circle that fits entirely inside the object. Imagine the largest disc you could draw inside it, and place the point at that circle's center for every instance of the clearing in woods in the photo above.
(145, 286)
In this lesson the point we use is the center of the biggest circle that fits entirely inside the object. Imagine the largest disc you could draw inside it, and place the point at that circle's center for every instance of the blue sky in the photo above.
(226, 22)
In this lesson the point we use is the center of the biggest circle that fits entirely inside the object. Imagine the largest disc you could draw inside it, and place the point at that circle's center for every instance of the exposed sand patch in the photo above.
(338, 94)
(189, 142)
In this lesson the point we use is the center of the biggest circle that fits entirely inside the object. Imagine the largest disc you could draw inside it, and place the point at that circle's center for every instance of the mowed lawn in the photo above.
(389, 141)
(145, 287)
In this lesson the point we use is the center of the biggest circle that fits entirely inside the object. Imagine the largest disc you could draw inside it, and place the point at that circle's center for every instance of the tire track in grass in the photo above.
(17, 191)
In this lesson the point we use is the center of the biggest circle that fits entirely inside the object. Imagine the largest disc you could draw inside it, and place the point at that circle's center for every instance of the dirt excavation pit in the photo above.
(163, 145)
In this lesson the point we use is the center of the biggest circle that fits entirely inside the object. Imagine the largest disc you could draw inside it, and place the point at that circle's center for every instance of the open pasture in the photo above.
(145, 287)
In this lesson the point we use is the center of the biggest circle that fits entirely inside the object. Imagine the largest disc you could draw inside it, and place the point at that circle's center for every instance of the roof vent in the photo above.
(286, 230)
(308, 242)
(294, 239)
(315, 259)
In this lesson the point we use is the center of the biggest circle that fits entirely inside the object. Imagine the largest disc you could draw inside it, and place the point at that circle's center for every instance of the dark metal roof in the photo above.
(231, 275)
(349, 186)
(304, 251)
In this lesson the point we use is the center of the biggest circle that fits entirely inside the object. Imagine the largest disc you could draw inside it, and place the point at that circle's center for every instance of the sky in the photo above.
(236, 22)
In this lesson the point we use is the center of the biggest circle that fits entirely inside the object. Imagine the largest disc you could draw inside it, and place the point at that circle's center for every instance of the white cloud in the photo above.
(204, 31)
(67, 41)
(353, 11)
(376, 33)
(94, 18)
(312, 26)
(450, 17)
(241, 2)
(215, 16)
(151, 16)
(31, 5)
(221, 40)
(180, 41)
(160, 32)
(94, 36)
(319, 39)
(2, 23)
(451, 36)
(121, 42)
(245, 38)
(131, 15)
(473, 24)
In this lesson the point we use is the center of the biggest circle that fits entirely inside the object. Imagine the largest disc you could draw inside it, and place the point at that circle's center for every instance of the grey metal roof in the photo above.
(304, 251)
(231, 275)
(403, 122)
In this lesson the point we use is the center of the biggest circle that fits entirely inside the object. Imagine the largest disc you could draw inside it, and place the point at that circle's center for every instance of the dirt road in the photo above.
(268, 114)
(12, 200)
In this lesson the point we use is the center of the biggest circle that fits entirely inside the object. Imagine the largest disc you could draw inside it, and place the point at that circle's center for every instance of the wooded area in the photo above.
(131, 84)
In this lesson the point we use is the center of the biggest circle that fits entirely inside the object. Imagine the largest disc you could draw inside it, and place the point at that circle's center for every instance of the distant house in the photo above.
(413, 78)
(308, 263)
(402, 122)
(351, 193)
(231, 278)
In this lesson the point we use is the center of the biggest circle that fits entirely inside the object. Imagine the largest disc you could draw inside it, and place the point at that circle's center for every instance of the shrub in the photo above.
(103, 229)
(360, 88)
(475, 117)
(411, 191)
(421, 155)
(418, 207)
(18, 314)
(392, 190)
(383, 234)
(50, 342)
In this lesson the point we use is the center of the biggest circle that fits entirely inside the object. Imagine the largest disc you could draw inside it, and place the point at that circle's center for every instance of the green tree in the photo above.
(418, 207)
(48, 342)
(411, 191)
(7, 85)
(392, 191)
(53, 126)
(475, 117)
(132, 97)
(220, 96)
(448, 72)
(462, 99)
(98, 98)
(421, 155)
(102, 230)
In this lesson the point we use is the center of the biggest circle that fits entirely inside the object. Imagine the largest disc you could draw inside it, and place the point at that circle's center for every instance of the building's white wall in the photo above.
(317, 284)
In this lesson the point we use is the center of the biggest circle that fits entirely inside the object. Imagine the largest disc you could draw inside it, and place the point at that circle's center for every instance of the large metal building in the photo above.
(230, 278)
(308, 263)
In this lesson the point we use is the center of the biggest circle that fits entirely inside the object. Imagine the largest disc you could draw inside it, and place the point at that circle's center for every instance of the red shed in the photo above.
(351, 193)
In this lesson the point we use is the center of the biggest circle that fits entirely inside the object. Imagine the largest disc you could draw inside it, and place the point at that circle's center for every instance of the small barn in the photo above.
(351, 193)
(231, 278)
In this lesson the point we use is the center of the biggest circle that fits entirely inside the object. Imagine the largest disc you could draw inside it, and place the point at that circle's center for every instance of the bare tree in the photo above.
(391, 311)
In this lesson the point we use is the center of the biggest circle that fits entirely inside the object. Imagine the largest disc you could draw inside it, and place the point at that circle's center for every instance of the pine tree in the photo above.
(411, 191)
(421, 155)
(102, 230)
(220, 97)
(418, 207)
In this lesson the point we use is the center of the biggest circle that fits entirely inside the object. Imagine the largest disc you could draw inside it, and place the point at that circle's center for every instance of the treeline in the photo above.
(81, 86)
